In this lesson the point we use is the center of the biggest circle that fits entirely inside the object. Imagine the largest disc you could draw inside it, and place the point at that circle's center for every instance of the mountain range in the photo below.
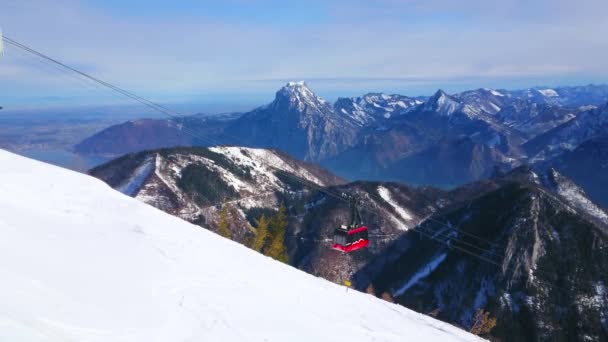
(444, 140)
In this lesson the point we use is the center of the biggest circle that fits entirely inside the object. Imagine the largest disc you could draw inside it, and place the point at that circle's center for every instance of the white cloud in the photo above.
(435, 40)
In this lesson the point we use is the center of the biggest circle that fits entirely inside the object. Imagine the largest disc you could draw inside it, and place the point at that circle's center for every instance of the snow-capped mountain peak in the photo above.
(297, 122)
(298, 96)
(442, 103)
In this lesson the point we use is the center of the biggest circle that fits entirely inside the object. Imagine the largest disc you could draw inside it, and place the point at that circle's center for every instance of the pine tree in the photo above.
(278, 224)
(483, 323)
(223, 223)
(261, 234)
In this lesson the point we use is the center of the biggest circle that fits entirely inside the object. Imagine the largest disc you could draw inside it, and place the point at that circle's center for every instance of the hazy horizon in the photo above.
(238, 52)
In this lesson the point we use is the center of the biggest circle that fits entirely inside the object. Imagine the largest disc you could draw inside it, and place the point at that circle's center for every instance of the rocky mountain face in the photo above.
(489, 101)
(588, 124)
(442, 130)
(587, 165)
(531, 250)
(297, 122)
(453, 139)
(451, 162)
(532, 119)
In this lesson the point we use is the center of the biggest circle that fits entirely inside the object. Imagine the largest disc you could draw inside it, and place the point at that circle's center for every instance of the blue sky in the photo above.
(238, 52)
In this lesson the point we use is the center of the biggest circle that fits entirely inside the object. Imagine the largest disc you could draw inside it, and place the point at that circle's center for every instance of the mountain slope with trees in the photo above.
(531, 252)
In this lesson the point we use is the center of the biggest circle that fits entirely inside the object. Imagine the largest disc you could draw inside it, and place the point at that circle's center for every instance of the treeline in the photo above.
(270, 235)
(269, 238)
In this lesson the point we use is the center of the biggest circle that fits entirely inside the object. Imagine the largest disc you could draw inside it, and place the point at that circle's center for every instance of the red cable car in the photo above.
(353, 236)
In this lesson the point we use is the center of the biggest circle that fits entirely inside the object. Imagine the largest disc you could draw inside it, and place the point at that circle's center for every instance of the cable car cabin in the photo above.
(349, 240)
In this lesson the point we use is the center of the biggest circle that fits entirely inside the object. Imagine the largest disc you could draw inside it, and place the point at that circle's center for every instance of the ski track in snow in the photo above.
(82, 262)
(422, 273)
(134, 183)
(386, 195)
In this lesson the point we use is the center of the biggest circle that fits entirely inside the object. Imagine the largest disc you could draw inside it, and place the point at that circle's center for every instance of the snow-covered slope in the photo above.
(194, 183)
(373, 107)
(80, 261)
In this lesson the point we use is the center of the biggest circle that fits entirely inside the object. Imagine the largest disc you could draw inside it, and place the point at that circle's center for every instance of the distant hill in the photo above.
(145, 134)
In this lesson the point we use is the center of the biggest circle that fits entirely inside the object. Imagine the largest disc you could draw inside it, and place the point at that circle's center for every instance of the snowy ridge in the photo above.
(446, 105)
(164, 280)
(251, 174)
(371, 107)
(443, 104)
(262, 161)
(574, 195)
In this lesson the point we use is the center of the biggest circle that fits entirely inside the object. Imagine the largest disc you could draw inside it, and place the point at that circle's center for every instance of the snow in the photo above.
(386, 195)
(577, 198)
(82, 262)
(372, 106)
(422, 273)
(132, 185)
(548, 92)
(446, 106)
(401, 104)
(302, 97)
(257, 191)
(495, 107)
(496, 93)
(263, 161)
